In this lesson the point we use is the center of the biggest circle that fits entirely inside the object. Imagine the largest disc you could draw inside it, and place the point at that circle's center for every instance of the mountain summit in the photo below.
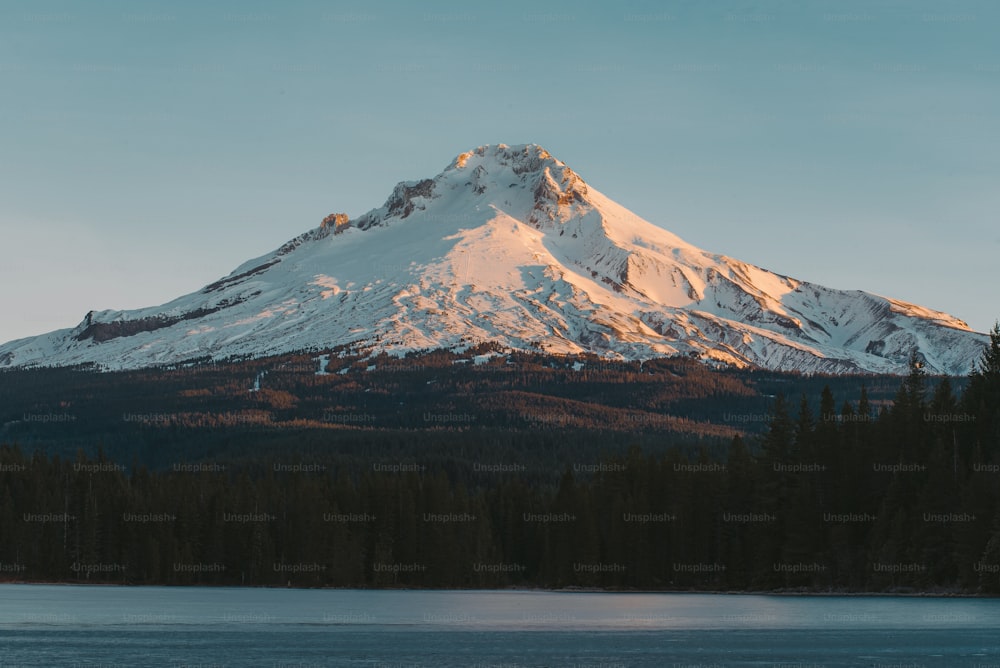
(510, 245)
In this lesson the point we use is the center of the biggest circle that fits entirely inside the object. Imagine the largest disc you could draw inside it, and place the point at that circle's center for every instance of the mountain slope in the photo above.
(508, 244)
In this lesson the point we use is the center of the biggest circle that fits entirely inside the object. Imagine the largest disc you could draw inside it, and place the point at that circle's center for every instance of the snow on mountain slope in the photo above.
(508, 244)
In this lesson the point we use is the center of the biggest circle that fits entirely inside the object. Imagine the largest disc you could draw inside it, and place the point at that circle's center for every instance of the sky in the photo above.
(149, 148)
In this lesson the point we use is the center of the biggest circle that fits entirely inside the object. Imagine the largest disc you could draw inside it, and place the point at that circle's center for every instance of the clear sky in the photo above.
(146, 149)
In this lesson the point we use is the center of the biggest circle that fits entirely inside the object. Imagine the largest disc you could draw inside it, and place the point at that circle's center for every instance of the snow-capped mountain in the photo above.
(508, 244)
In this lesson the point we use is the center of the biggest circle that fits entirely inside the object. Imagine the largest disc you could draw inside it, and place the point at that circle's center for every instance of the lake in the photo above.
(110, 627)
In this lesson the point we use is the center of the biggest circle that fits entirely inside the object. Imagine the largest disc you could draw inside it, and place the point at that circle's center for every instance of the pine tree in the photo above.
(915, 384)
(989, 364)
(982, 401)
(773, 493)
(738, 544)
(780, 433)
(802, 450)
(907, 414)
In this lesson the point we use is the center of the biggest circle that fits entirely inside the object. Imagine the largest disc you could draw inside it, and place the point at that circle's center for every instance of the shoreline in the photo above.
(944, 593)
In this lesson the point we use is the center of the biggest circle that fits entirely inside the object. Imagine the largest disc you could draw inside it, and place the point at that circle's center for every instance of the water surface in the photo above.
(50, 625)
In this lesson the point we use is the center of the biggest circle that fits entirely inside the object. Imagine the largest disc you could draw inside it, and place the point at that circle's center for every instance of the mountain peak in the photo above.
(523, 179)
(521, 158)
(529, 163)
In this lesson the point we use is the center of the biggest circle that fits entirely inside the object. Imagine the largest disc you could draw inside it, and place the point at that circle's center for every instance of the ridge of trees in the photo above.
(201, 409)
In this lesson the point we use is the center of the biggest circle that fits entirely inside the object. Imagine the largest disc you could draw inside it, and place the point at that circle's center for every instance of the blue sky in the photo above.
(149, 148)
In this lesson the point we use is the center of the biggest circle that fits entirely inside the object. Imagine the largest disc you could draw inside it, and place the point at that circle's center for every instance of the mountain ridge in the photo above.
(508, 244)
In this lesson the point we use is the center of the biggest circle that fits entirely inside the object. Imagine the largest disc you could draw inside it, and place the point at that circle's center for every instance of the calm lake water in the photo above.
(43, 625)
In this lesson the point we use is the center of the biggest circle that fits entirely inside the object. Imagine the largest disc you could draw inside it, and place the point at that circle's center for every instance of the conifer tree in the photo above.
(982, 401)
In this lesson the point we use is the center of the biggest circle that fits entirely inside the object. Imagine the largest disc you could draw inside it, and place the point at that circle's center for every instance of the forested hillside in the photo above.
(828, 494)
(158, 416)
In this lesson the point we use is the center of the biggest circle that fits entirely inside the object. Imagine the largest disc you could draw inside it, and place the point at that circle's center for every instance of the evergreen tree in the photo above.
(805, 425)
(982, 402)
(780, 432)
(774, 495)
(738, 540)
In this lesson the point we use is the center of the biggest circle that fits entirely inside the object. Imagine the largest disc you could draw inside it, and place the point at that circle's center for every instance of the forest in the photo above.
(796, 487)
(337, 402)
